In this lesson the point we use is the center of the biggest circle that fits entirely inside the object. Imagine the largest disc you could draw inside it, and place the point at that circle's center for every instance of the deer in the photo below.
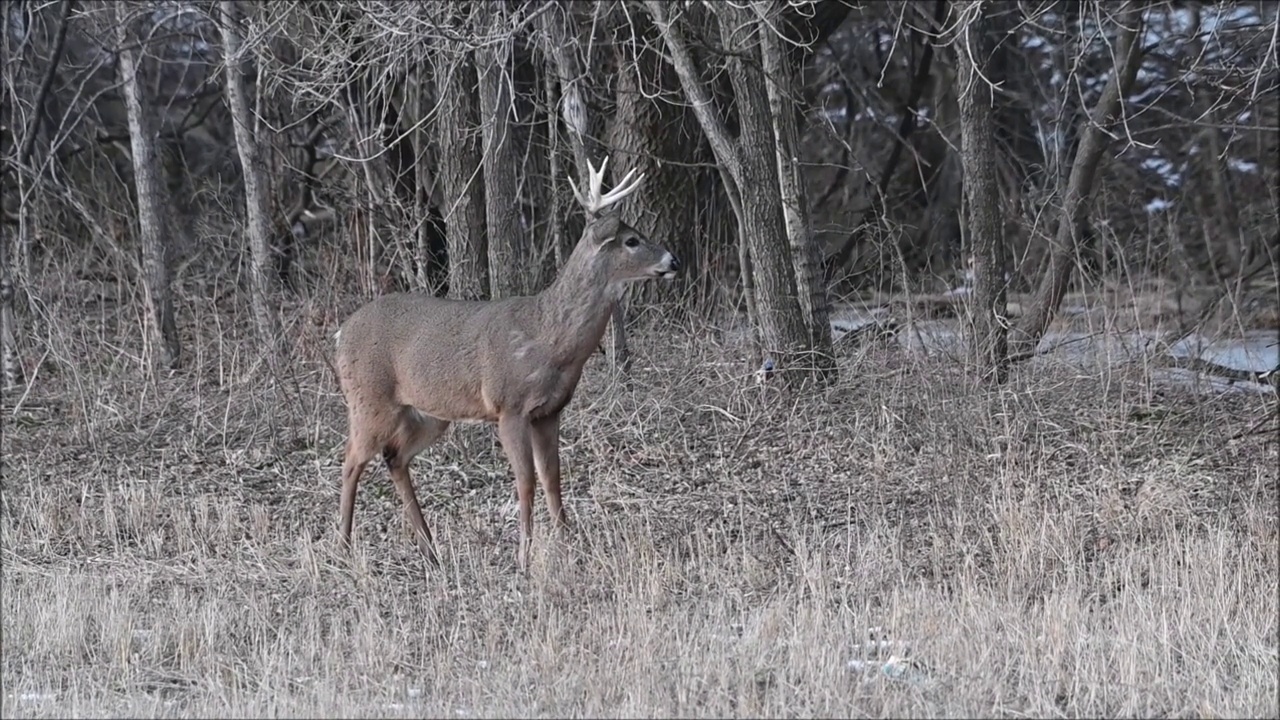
(411, 364)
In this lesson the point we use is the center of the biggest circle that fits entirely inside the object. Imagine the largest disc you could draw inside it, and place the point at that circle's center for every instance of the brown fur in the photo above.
(410, 364)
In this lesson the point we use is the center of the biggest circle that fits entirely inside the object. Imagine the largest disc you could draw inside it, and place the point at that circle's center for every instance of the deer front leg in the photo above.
(515, 433)
(546, 457)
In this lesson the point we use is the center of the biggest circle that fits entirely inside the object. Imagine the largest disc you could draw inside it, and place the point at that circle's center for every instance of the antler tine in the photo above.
(594, 201)
(576, 193)
(597, 181)
(623, 188)
(591, 201)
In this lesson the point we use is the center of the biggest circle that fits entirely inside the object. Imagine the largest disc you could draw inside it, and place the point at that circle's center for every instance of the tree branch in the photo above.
(906, 126)
(699, 96)
(1094, 139)
(29, 140)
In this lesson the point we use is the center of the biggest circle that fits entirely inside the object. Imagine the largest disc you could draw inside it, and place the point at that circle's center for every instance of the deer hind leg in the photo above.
(414, 433)
(546, 457)
(514, 431)
(361, 448)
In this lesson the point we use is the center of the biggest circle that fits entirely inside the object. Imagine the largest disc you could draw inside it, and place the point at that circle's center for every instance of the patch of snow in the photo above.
(1215, 18)
(1242, 166)
(1152, 92)
(1257, 351)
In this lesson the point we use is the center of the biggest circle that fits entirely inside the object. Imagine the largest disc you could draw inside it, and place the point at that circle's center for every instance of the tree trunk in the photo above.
(10, 367)
(779, 82)
(750, 171)
(659, 138)
(11, 373)
(257, 203)
(502, 202)
(161, 333)
(1094, 139)
(988, 341)
(431, 251)
(555, 220)
(636, 134)
(787, 333)
(460, 173)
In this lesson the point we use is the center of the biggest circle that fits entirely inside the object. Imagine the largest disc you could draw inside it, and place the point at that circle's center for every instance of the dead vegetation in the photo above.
(1071, 544)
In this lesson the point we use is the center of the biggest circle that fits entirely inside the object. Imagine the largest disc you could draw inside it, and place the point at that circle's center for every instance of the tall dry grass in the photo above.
(907, 543)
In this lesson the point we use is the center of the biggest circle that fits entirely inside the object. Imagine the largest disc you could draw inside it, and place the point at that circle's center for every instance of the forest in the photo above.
(965, 399)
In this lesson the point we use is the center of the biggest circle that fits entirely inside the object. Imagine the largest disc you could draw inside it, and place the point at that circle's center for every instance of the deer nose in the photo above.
(674, 264)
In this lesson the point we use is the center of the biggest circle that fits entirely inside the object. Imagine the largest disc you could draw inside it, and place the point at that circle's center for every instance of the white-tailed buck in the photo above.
(410, 364)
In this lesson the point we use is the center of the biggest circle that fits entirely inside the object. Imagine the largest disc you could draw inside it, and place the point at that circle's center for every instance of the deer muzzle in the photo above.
(667, 267)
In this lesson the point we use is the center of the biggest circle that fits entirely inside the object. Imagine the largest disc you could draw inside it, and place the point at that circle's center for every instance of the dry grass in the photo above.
(1066, 546)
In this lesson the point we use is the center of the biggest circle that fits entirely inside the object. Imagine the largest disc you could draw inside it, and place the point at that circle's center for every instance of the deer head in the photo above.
(617, 251)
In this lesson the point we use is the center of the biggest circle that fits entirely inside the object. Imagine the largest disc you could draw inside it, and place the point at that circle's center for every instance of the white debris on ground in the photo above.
(898, 666)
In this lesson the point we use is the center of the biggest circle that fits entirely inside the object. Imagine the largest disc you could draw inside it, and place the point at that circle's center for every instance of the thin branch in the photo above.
(28, 141)
(703, 107)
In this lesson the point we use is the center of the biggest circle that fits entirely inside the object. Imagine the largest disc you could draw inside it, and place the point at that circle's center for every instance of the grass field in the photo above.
(906, 543)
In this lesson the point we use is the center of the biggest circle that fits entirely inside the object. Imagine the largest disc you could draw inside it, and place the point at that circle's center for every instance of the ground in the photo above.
(907, 542)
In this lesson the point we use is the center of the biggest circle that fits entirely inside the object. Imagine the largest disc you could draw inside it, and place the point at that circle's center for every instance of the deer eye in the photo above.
(631, 242)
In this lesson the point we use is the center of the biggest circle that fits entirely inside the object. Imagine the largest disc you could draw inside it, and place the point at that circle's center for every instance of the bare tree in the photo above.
(751, 172)
(257, 203)
(651, 134)
(500, 191)
(457, 130)
(1094, 139)
(907, 125)
(10, 366)
(974, 47)
(780, 81)
(161, 332)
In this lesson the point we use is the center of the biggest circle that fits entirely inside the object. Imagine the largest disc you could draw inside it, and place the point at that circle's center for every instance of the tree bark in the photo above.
(786, 330)
(257, 203)
(431, 244)
(555, 221)
(460, 172)
(502, 202)
(161, 332)
(662, 211)
(780, 81)
(11, 373)
(751, 174)
(10, 367)
(750, 169)
(659, 138)
(1094, 139)
(988, 340)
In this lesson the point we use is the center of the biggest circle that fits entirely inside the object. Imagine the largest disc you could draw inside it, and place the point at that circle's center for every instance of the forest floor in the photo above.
(1075, 543)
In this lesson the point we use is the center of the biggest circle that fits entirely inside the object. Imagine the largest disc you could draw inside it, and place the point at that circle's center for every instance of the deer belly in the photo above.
(453, 401)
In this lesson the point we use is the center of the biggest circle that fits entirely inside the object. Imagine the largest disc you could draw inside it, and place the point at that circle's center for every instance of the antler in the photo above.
(594, 202)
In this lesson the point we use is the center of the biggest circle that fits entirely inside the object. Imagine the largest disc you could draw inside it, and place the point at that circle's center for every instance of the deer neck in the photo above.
(575, 309)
